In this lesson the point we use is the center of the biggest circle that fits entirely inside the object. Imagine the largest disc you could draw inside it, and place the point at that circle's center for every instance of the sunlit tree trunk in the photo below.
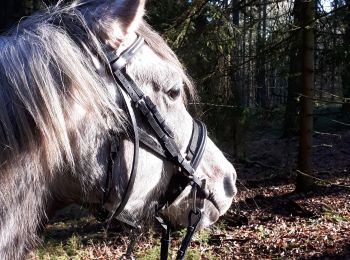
(305, 182)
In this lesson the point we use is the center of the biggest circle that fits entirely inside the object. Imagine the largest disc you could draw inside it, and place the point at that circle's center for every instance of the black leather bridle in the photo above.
(162, 144)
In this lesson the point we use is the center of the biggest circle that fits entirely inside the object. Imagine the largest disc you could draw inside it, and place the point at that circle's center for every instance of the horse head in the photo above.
(155, 69)
(77, 134)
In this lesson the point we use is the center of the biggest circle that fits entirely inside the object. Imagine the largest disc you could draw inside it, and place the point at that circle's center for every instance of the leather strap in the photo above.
(195, 150)
(127, 193)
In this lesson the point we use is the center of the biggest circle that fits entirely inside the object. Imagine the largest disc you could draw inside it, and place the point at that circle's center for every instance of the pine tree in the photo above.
(305, 182)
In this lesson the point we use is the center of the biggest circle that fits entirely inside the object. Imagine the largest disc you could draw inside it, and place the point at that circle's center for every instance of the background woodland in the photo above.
(273, 77)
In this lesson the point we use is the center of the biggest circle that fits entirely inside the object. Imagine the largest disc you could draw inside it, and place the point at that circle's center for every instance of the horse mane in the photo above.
(51, 101)
(45, 76)
(45, 73)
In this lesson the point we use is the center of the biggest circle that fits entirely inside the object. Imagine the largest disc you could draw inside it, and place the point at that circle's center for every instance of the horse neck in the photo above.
(23, 192)
(27, 190)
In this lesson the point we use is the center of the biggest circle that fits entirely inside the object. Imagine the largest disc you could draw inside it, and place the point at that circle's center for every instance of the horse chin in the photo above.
(178, 215)
(210, 214)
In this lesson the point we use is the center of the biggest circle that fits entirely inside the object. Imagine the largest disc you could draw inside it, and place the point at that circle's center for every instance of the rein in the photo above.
(163, 145)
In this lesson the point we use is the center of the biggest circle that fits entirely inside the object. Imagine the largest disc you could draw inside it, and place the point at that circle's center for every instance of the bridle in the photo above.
(162, 144)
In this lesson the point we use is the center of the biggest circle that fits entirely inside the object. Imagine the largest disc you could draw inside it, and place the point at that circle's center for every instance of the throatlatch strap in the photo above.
(133, 171)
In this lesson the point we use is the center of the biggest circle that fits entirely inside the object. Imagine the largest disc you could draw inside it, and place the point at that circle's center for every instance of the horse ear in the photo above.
(129, 13)
(118, 18)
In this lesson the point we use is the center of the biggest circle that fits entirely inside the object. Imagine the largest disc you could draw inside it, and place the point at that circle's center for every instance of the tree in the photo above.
(261, 92)
(346, 68)
(304, 182)
(294, 76)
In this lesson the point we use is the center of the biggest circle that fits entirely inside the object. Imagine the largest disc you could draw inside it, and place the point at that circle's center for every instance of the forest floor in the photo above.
(267, 221)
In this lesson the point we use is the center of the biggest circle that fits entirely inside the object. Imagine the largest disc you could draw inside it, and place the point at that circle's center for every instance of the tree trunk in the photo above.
(305, 182)
(294, 77)
(261, 93)
(245, 86)
(250, 88)
(346, 68)
(335, 25)
(238, 134)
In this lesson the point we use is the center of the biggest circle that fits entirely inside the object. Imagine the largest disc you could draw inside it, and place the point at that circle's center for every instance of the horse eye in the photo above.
(174, 93)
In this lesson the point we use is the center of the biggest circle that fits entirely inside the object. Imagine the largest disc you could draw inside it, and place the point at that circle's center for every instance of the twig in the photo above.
(323, 100)
(213, 105)
(329, 134)
(323, 145)
(322, 180)
(342, 123)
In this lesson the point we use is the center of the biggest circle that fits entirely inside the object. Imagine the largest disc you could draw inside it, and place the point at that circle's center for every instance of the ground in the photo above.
(267, 221)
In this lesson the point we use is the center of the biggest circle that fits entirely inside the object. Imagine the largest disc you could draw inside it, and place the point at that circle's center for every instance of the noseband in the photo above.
(162, 144)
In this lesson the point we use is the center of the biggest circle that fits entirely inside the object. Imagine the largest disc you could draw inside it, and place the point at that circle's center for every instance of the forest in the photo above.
(273, 81)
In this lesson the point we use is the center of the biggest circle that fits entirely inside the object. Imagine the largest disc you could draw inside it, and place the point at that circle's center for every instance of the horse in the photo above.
(69, 134)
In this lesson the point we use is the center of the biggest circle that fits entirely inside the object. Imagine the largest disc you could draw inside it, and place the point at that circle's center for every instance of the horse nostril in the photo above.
(229, 187)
